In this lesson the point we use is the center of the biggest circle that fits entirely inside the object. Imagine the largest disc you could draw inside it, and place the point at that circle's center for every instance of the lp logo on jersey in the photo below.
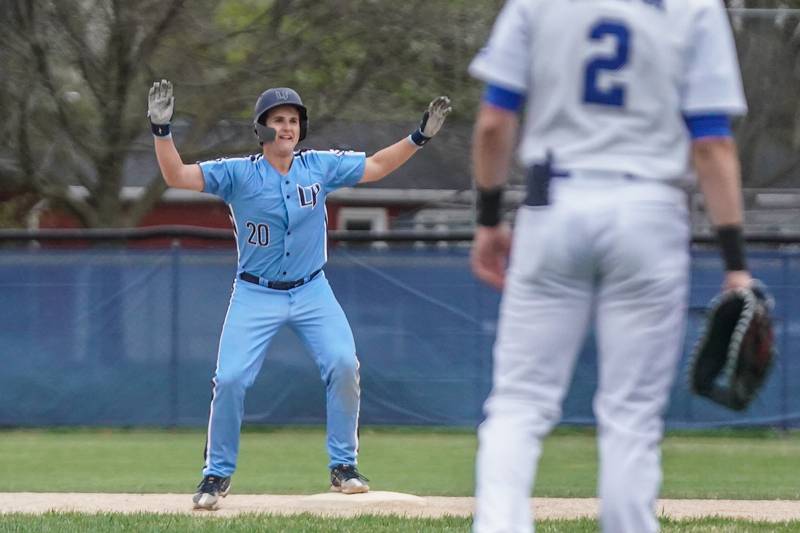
(308, 195)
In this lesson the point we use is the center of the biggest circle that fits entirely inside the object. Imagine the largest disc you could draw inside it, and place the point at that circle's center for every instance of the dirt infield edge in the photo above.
(375, 503)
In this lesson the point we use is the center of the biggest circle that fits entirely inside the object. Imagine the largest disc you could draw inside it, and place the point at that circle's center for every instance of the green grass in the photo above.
(423, 461)
(735, 468)
(113, 523)
(747, 465)
(283, 461)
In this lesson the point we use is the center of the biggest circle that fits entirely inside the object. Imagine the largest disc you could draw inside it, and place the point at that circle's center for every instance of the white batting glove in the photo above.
(160, 104)
(432, 120)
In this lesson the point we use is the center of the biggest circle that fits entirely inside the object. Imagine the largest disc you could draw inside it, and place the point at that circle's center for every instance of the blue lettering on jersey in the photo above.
(614, 95)
(308, 195)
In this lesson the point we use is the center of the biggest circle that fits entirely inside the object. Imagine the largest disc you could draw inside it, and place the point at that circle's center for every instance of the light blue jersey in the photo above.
(281, 225)
(280, 220)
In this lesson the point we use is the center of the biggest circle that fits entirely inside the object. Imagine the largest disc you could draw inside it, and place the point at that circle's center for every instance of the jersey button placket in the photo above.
(288, 222)
(286, 243)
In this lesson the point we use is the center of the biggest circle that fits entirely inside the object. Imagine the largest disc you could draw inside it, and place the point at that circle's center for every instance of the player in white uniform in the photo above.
(619, 97)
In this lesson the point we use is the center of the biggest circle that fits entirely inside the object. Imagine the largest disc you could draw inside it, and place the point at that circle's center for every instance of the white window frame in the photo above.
(376, 216)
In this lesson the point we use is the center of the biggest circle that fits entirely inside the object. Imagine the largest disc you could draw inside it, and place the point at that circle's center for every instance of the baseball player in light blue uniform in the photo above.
(619, 97)
(277, 199)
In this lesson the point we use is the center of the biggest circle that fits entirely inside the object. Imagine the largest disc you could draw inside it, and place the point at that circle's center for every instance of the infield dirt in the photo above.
(378, 502)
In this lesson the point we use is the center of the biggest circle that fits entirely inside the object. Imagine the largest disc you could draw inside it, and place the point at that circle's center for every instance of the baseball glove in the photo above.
(733, 358)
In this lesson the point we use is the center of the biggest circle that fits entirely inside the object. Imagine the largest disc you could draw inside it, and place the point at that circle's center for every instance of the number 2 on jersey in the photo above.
(613, 95)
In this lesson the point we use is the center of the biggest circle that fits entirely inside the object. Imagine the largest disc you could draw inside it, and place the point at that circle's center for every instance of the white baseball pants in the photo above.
(617, 251)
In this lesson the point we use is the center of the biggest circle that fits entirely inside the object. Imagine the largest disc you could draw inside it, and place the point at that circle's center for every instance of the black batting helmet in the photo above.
(273, 98)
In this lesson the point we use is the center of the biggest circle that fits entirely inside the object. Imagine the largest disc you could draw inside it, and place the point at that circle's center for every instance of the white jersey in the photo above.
(609, 82)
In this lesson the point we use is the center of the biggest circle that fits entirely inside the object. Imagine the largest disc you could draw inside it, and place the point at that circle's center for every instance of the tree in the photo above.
(72, 68)
(78, 72)
(769, 53)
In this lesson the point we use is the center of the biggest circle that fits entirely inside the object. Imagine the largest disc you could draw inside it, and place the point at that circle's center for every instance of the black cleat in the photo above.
(347, 479)
(210, 490)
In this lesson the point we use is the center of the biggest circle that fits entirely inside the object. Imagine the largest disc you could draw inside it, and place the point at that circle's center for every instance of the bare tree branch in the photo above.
(40, 52)
(151, 40)
(343, 56)
(24, 153)
(84, 56)
(152, 194)
(59, 194)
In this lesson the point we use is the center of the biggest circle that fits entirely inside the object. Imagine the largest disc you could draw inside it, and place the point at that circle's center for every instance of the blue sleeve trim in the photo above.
(708, 126)
(503, 98)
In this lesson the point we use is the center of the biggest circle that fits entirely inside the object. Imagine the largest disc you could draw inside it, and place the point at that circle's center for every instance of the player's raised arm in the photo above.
(389, 159)
(160, 104)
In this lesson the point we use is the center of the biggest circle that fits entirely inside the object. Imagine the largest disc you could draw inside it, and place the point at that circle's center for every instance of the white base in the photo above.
(377, 496)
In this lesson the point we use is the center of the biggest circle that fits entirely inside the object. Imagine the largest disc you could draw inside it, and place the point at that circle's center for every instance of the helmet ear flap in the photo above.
(265, 134)
(273, 98)
(303, 124)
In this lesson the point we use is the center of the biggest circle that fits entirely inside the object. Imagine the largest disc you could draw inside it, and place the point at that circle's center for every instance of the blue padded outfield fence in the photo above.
(127, 336)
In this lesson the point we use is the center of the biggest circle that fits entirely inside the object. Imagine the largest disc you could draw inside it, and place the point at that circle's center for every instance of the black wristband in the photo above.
(160, 130)
(731, 242)
(489, 206)
(419, 138)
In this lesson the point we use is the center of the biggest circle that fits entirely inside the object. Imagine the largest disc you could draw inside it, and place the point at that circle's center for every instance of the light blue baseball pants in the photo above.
(255, 315)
